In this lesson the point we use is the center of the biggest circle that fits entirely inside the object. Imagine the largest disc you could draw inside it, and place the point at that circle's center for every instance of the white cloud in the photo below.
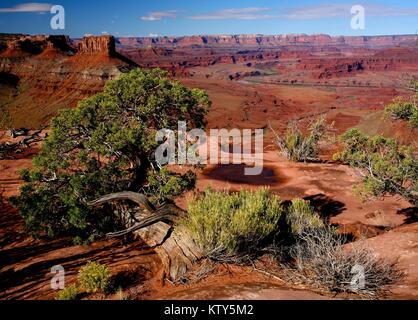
(320, 11)
(153, 35)
(339, 10)
(238, 14)
(29, 7)
(159, 15)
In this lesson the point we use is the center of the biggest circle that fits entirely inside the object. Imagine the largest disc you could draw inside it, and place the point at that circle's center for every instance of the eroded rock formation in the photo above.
(53, 74)
(97, 45)
(262, 40)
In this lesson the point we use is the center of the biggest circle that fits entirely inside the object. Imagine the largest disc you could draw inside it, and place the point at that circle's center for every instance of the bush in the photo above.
(413, 119)
(301, 216)
(295, 146)
(106, 145)
(386, 166)
(403, 110)
(230, 225)
(94, 277)
(69, 293)
(322, 261)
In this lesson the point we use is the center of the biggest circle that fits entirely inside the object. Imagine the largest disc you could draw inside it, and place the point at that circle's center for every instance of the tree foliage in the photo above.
(386, 166)
(107, 145)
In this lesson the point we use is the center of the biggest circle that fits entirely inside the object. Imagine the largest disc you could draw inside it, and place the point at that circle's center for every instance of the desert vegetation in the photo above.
(231, 226)
(239, 227)
(386, 166)
(401, 109)
(301, 216)
(93, 278)
(69, 293)
(322, 259)
(106, 145)
(300, 147)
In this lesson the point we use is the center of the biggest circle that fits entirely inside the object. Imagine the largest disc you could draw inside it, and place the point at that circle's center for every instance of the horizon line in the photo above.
(211, 35)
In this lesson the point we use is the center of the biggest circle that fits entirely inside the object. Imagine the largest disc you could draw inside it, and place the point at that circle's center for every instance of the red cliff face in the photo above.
(395, 59)
(97, 45)
(276, 40)
(51, 74)
(33, 45)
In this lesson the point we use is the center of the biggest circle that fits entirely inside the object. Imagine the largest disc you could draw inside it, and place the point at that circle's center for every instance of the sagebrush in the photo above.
(322, 259)
(231, 224)
(301, 216)
(296, 146)
(69, 293)
(94, 277)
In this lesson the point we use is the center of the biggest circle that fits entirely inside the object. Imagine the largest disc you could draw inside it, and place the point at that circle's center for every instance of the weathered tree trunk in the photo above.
(8, 150)
(157, 228)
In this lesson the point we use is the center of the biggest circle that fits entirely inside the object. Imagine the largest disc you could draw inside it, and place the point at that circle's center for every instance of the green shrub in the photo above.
(386, 166)
(296, 146)
(301, 216)
(413, 119)
(94, 277)
(403, 110)
(69, 293)
(228, 225)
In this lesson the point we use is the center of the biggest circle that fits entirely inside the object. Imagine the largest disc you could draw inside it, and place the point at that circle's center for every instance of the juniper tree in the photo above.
(106, 145)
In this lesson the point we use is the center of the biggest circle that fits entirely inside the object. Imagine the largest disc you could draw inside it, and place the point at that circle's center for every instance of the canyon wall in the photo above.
(54, 72)
(275, 40)
(331, 55)
(97, 45)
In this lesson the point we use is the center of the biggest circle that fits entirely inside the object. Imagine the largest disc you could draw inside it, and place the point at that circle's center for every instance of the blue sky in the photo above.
(185, 17)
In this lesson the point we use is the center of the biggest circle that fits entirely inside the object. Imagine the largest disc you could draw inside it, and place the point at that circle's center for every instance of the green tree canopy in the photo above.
(106, 145)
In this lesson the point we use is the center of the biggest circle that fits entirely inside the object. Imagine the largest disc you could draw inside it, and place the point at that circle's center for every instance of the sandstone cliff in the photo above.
(274, 40)
(53, 72)
(97, 45)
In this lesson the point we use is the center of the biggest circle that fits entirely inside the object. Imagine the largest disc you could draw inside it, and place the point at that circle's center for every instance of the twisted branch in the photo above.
(168, 213)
